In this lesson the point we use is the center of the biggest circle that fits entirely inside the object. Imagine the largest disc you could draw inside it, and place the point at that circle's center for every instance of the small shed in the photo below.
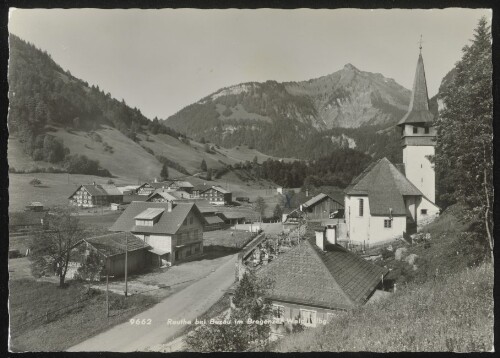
(111, 248)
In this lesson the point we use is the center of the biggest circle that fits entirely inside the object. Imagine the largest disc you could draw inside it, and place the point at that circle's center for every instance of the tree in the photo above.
(464, 132)
(52, 248)
(111, 182)
(209, 174)
(164, 171)
(92, 266)
(35, 182)
(250, 303)
(260, 206)
(278, 211)
(203, 165)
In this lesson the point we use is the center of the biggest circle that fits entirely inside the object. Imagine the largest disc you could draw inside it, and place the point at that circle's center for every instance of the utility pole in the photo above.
(126, 264)
(107, 287)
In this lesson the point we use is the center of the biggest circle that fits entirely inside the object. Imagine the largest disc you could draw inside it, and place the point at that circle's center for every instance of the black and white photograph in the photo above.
(250, 180)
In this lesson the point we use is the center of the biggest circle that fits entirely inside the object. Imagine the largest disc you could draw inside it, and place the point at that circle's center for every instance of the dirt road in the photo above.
(184, 305)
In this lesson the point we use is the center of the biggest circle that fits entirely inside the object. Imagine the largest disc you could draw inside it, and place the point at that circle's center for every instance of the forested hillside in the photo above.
(43, 96)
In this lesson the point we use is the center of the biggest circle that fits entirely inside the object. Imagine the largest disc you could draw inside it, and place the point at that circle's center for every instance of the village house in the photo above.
(173, 230)
(34, 206)
(182, 185)
(148, 188)
(316, 280)
(92, 195)
(160, 196)
(198, 189)
(321, 207)
(386, 201)
(232, 218)
(217, 195)
(111, 248)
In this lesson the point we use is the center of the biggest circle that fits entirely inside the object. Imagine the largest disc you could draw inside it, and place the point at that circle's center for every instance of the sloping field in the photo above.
(125, 158)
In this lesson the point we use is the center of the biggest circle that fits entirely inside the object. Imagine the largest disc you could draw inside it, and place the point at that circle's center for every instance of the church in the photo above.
(387, 201)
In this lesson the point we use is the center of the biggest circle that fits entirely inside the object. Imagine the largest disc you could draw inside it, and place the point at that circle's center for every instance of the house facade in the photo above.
(321, 207)
(173, 230)
(217, 195)
(92, 195)
(316, 280)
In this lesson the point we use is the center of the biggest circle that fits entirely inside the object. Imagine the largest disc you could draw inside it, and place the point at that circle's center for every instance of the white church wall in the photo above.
(419, 170)
(357, 226)
(427, 212)
(379, 234)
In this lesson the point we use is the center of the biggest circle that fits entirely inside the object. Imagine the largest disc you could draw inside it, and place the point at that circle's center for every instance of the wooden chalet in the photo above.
(321, 207)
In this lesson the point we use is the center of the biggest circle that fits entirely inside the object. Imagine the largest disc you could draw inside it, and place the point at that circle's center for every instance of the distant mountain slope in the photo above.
(275, 117)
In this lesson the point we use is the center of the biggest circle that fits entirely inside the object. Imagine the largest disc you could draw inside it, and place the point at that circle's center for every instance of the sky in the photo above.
(163, 60)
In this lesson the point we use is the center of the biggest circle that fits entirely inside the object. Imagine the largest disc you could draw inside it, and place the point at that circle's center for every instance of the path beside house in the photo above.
(186, 304)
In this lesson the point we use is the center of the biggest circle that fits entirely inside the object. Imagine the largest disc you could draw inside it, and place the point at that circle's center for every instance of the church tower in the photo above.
(418, 136)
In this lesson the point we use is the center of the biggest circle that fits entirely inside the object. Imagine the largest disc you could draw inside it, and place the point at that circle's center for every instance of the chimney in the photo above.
(331, 234)
(170, 206)
(320, 237)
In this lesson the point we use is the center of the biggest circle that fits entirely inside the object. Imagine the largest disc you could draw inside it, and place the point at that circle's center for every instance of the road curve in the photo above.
(186, 304)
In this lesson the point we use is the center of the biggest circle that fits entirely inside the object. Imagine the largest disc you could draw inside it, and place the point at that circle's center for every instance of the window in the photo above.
(427, 130)
(179, 239)
(361, 208)
(278, 312)
(415, 130)
(387, 223)
(191, 220)
(423, 211)
(308, 318)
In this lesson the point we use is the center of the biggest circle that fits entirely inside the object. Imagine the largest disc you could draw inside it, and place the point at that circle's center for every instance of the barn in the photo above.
(321, 207)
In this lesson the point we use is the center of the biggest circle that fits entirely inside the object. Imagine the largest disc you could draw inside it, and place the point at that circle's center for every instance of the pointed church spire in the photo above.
(418, 111)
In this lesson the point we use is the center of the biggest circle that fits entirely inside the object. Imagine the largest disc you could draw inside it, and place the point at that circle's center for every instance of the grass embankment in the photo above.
(44, 317)
(445, 305)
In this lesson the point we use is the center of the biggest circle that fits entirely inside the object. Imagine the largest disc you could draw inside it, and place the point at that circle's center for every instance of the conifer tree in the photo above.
(464, 132)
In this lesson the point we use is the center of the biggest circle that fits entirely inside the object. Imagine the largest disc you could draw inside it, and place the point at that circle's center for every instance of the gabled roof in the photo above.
(219, 189)
(180, 194)
(317, 199)
(213, 219)
(334, 279)
(111, 189)
(418, 112)
(116, 243)
(233, 215)
(204, 206)
(182, 184)
(165, 195)
(385, 186)
(168, 223)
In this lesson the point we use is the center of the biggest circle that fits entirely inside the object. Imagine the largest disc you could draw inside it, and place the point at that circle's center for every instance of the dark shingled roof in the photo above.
(168, 222)
(418, 112)
(334, 279)
(385, 187)
(115, 243)
(213, 219)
